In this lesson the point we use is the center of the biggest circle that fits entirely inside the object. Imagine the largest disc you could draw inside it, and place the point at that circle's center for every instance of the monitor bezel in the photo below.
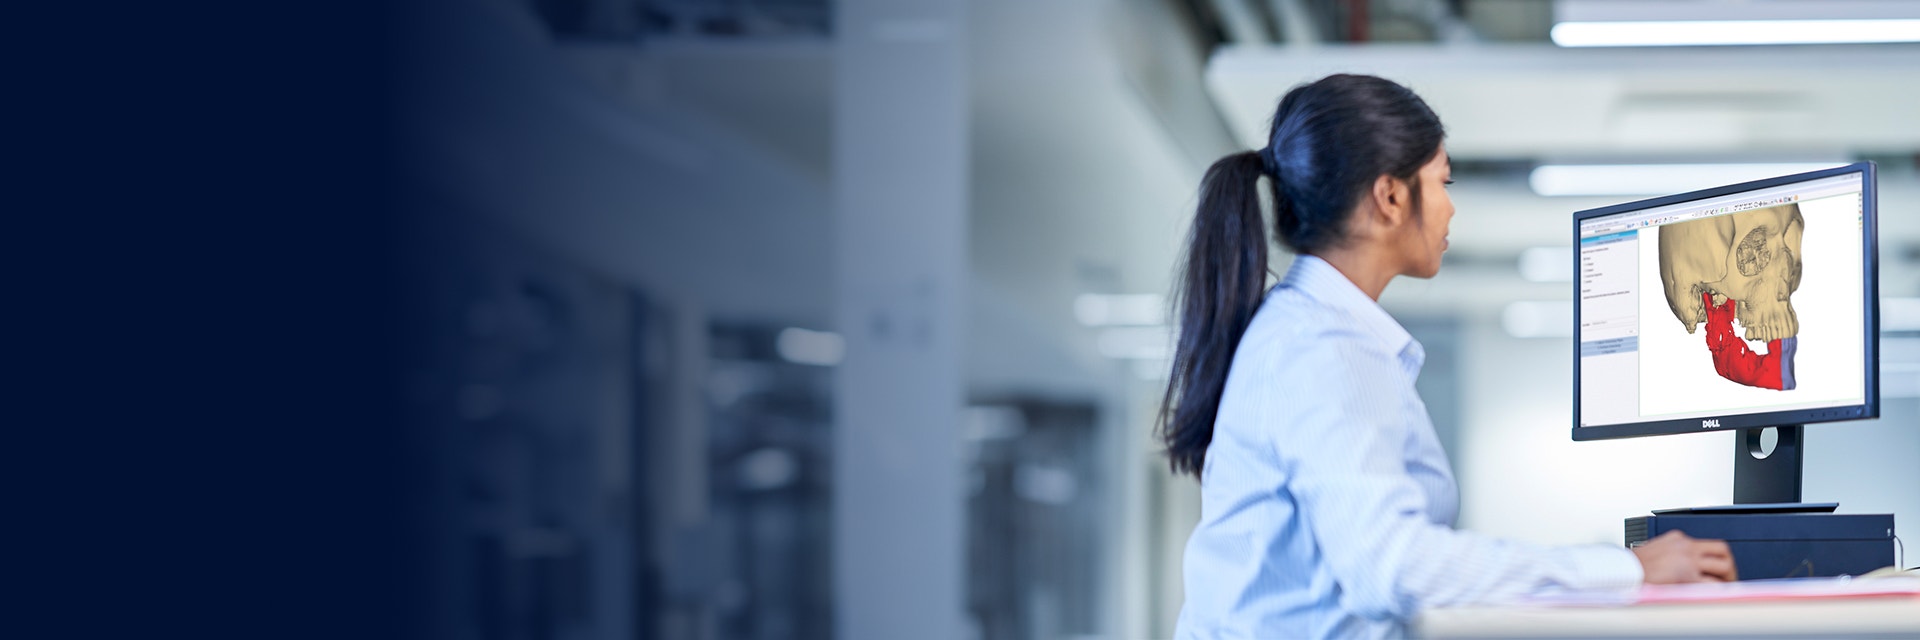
(1870, 408)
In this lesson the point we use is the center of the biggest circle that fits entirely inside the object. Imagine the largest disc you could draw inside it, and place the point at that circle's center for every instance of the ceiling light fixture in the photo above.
(1538, 319)
(1900, 314)
(1695, 33)
(1666, 23)
(1119, 310)
(1547, 264)
(818, 348)
(1136, 343)
(1654, 179)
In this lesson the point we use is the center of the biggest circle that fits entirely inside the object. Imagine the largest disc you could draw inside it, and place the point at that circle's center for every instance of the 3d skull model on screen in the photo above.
(1740, 267)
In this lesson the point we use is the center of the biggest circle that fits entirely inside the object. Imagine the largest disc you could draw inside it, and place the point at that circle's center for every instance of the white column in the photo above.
(900, 207)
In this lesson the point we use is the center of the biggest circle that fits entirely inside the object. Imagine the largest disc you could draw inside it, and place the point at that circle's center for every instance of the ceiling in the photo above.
(1540, 102)
(1092, 122)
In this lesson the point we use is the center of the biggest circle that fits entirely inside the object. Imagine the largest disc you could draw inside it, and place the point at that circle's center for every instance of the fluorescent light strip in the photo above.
(1107, 310)
(1654, 179)
(1547, 264)
(1683, 33)
(1900, 314)
(1136, 343)
(819, 348)
(1538, 319)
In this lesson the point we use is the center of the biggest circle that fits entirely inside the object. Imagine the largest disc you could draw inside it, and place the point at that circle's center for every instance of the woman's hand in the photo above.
(1673, 557)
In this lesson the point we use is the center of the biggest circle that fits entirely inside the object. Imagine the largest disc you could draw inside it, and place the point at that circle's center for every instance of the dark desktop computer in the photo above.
(1753, 308)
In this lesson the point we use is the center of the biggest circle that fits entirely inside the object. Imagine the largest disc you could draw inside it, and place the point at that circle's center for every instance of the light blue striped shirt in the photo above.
(1327, 505)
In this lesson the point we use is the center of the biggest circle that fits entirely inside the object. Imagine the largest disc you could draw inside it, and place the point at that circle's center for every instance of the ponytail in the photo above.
(1221, 285)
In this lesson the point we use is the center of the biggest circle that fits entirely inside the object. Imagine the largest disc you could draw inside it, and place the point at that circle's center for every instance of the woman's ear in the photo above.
(1390, 200)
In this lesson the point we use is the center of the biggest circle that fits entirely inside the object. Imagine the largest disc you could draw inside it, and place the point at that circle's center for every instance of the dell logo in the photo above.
(1710, 424)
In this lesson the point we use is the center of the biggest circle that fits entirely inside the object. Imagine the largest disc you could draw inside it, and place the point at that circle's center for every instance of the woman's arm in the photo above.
(1343, 447)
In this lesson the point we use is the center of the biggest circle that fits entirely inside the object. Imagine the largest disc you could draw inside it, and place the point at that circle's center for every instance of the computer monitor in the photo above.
(1739, 307)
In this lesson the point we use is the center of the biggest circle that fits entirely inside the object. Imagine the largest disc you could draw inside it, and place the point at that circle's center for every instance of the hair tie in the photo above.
(1267, 162)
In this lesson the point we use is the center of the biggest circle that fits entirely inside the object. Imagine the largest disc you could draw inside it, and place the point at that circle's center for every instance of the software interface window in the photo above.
(1744, 303)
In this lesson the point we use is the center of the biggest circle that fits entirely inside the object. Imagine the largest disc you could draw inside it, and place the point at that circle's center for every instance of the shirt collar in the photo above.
(1318, 280)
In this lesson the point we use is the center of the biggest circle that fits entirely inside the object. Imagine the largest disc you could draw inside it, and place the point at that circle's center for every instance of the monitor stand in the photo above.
(1767, 478)
(1766, 482)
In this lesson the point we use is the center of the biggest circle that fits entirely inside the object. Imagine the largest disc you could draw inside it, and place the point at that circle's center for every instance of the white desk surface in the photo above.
(1869, 617)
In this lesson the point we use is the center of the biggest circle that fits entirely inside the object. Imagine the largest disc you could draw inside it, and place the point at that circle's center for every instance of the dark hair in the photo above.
(1331, 139)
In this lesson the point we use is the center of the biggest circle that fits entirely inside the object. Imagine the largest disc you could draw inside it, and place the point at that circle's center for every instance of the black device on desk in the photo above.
(1750, 307)
(1783, 545)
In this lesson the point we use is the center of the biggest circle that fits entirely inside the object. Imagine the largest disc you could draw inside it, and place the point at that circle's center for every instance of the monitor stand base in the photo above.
(1736, 509)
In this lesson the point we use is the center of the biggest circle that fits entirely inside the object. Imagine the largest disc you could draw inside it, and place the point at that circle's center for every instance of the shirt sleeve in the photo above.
(1343, 449)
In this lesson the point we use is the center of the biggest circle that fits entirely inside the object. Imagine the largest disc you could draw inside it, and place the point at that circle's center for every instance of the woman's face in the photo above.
(1436, 212)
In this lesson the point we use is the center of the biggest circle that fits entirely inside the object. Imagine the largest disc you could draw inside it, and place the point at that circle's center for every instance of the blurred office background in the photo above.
(770, 319)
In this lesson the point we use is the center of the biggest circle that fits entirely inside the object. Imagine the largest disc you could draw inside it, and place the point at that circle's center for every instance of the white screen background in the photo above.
(1677, 378)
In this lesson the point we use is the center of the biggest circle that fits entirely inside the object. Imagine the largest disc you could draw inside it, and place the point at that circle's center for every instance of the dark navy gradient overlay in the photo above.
(204, 439)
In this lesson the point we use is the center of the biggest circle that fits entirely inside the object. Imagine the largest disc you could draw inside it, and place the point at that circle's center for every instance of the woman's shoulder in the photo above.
(1294, 337)
(1293, 321)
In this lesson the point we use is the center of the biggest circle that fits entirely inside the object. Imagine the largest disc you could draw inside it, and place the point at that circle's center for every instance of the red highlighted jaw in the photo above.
(1734, 361)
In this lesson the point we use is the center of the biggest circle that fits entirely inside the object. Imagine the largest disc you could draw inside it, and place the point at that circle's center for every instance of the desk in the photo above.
(1871, 617)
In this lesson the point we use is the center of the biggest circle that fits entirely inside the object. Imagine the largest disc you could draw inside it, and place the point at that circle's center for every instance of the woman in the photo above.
(1327, 503)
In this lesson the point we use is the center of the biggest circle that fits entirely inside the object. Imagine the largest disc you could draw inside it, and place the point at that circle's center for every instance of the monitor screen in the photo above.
(1750, 305)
